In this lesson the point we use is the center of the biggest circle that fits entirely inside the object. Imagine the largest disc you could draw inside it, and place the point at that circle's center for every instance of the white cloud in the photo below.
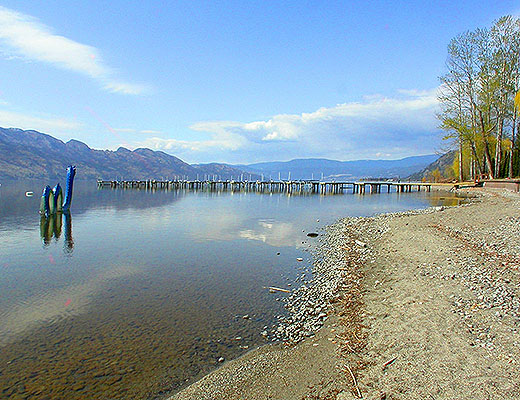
(126, 88)
(223, 139)
(25, 37)
(378, 126)
(10, 119)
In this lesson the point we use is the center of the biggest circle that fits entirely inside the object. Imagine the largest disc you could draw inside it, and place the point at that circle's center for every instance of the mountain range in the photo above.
(444, 164)
(319, 168)
(29, 154)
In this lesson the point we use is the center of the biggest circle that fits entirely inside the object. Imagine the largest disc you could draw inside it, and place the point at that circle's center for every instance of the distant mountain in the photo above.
(331, 169)
(224, 170)
(34, 155)
(442, 164)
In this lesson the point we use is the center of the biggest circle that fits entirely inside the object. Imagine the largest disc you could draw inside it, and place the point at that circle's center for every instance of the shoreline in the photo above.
(369, 348)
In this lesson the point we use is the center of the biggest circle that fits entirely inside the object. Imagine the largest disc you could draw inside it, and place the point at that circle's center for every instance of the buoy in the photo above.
(29, 194)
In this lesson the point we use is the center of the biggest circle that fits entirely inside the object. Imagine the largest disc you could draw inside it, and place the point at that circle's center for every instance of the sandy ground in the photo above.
(433, 313)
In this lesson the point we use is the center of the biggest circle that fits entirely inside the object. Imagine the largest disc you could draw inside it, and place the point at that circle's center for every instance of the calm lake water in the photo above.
(137, 293)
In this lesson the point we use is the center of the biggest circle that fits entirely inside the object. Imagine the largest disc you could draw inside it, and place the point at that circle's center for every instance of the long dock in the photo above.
(297, 186)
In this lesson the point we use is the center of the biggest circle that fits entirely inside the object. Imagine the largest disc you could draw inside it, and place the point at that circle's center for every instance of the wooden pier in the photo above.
(299, 186)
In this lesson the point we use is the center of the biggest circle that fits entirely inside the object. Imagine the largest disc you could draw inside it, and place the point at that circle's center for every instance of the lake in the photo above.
(138, 292)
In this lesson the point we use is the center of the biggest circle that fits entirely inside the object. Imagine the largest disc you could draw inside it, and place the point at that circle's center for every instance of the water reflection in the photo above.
(51, 227)
(18, 211)
(155, 293)
(53, 305)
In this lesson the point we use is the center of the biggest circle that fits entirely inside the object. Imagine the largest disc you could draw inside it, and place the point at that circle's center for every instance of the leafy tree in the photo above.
(479, 98)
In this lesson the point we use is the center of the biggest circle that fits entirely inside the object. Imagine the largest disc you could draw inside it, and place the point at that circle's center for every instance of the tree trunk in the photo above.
(513, 133)
(498, 148)
(487, 156)
(461, 166)
(475, 159)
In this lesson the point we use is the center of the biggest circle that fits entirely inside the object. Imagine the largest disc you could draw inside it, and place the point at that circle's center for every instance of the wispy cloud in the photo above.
(141, 131)
(9, 119)
(25, 37)
(378, 126)
(150, 132)
(125, 130)
(222, 139)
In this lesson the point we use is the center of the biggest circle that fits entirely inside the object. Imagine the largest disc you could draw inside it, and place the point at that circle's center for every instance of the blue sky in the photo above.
(234, 81)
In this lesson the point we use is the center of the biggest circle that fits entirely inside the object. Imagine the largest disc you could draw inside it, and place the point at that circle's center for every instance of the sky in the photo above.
(234, 81)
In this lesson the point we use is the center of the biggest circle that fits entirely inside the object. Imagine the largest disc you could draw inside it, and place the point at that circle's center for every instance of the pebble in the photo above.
(309, 304)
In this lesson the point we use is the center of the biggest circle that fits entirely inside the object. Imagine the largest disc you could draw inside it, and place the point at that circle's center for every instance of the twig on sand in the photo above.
(386, 364)
(360, 243)
(350, 348)
(355, 381)
(276, 289)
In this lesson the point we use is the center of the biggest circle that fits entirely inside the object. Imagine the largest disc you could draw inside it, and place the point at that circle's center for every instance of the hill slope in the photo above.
(34, 155)
(316, 167)
(442, 163)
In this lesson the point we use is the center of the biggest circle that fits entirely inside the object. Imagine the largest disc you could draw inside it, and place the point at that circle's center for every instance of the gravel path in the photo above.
(415, 305)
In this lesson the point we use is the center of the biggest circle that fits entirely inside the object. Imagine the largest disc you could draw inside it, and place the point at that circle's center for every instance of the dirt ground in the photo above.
(438, 315)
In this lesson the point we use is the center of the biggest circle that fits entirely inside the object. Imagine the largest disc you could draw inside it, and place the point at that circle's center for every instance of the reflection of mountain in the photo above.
(15, 204)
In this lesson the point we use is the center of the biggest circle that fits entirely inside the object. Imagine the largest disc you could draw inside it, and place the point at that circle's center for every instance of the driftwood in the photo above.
(360, 243)
(386, 364)
(273, 289)
(355, 382)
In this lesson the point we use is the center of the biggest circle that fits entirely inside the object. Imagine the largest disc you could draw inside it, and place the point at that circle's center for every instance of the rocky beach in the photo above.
(420, 304)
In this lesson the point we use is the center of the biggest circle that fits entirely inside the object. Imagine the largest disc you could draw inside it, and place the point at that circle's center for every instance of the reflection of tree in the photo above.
(51, 226)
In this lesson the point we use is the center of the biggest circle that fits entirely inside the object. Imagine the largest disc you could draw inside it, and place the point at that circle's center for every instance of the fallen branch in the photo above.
(273, 289)
(360, 243)
(386, 364)
(355, 382)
